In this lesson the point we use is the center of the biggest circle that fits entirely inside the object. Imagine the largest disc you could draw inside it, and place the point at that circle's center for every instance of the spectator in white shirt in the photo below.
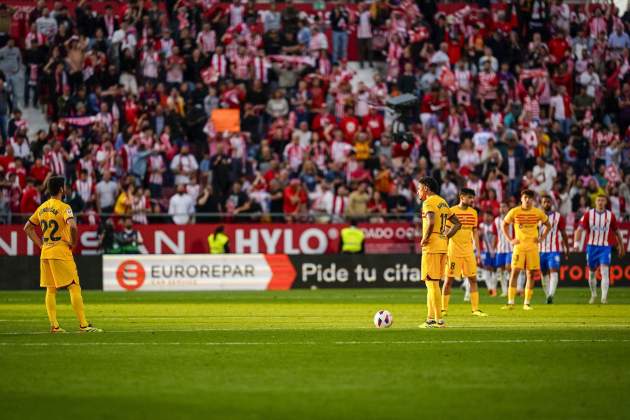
(46, 25)
(21, 147)
(544, 175)
(318, 40)
(304, 134)
(467, 155)
(181, 206)
(590, 80)
(106, 193)
(481, 138)
(183, 165)
(440, 57)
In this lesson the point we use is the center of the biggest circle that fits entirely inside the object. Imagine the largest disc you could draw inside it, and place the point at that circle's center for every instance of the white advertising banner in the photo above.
(186, 272)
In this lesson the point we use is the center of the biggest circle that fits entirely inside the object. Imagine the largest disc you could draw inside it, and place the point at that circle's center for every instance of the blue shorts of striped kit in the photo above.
(502, 259)
(549, 261)
(598, 255)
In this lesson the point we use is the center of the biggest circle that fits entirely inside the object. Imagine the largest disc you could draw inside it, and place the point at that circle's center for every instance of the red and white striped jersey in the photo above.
(140, 206)
(220, 64)
(261, 69)
(241, 67)
(463, 79)
(85, 189)
(488, 84)
(207, 41)
(552, 242)
(599, 227)
(488, 236)
(503, 244)
(56, 162)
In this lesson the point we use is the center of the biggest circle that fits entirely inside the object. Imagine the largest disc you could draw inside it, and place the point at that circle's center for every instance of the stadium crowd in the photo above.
(529, 93)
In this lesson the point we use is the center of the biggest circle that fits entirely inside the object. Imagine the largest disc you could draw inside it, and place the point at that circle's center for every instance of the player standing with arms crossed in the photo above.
(600, 225)
(435, 235)
(461, 254)
(525, 256)
(59, 237)
(551, 247)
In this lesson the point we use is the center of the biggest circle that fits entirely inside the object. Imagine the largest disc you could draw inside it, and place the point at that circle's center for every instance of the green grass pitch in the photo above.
(313, 355)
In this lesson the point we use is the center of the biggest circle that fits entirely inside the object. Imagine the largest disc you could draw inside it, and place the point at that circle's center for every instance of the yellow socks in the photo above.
(436, 294)
(528, 296)
(51, 306)
(445, 300)
(511, 295)
(474, 300)
(430, 307)
(77, 303)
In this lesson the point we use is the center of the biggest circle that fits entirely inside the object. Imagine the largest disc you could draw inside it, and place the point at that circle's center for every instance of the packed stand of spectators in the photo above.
(524, 94)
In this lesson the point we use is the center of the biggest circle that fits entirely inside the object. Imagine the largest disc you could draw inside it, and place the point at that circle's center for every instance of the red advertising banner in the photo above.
(263, 238)
(289, 239)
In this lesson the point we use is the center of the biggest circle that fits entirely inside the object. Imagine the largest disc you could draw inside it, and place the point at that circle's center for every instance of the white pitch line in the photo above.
(311, 343)
(529, 326)
(516, 341)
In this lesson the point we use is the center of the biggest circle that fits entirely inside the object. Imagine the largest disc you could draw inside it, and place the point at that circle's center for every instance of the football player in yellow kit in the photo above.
(435, 234)
(525, 256)
(59, 237)
(461, 253)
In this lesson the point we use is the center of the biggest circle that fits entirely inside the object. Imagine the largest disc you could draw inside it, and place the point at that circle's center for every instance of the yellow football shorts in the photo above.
(433, 266)
(58, 273)
(528, 259)
(459, 267)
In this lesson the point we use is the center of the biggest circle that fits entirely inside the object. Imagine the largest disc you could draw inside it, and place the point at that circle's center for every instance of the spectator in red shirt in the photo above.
(295, 200)
(38, 171)
(360, 174)
(31, 198)
(374, 123)
(559, 47)
(349, 125)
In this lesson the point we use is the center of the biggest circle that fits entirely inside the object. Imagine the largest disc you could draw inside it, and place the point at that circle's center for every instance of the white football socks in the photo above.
(544, 279)
(488, 277)
(467, 290)
(592, 283)
(605, 282)
(553, 282)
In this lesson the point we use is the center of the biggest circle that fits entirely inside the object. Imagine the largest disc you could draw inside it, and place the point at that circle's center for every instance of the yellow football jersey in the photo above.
(52, 217)
(526, 225)
(461, 244)
(437, 242)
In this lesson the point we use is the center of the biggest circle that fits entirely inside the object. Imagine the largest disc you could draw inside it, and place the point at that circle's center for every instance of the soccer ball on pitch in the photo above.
(383, 319)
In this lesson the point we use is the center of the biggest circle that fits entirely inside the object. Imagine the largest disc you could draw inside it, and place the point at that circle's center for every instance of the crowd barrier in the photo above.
(202, 272)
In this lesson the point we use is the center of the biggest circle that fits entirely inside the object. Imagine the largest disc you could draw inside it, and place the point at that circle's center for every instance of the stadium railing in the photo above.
(311, 217)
